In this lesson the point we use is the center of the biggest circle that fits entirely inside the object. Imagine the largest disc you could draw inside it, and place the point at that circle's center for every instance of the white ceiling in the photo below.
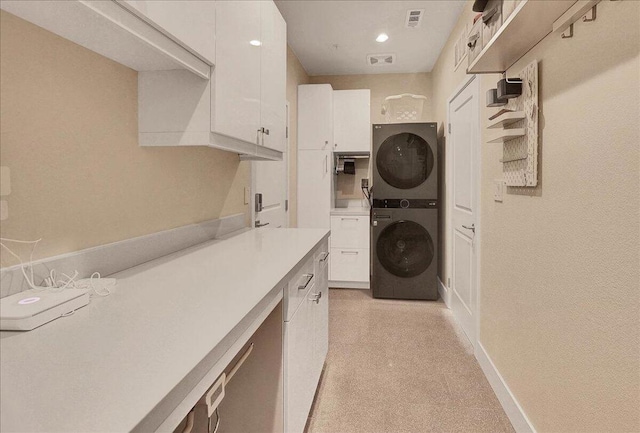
(314, 27)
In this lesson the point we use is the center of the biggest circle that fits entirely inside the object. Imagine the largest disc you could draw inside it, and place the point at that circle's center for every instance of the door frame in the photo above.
(472, 81)
(252, 181)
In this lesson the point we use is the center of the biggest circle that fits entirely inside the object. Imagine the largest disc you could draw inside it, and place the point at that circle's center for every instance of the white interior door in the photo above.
(270, 183)
(464, 147)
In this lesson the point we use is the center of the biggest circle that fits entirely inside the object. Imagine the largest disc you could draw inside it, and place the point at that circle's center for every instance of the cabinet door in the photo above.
(273, 76)
(314, 189)
(352, 120)
(236, 96)
(320, 306)
(315, 116)
(192, 23)
(298, 368)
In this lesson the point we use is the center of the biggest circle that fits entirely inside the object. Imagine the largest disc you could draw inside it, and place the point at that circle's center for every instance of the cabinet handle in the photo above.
(316, 297)
(308, 277)
(348, 219)
(349, 252)
(324, 257)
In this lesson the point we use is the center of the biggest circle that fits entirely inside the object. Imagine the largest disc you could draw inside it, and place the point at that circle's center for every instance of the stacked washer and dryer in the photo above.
(404, 213)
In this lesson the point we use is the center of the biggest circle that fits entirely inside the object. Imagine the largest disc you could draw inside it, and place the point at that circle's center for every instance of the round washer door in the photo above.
(405, 249)
(404, 160)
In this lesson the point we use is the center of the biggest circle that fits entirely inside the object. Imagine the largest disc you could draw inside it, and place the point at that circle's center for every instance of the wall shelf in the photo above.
(506, 119)
(507, 134)
(529, 23)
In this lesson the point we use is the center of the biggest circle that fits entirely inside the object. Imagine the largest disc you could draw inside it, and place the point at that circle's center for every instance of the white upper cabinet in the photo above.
(251, 73)
(315, 116)
(236, 97)
(242, 108)
(273, 79)
(191, 23)
(110, 28)
(352, 120)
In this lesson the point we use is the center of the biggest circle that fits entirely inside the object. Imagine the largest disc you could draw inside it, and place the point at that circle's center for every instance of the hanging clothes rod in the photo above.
(241, 361)
(210, 403)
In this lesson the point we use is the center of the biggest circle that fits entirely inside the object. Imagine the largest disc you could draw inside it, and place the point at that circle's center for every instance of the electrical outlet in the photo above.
(247, 195)
(364, 183)
(498, 189)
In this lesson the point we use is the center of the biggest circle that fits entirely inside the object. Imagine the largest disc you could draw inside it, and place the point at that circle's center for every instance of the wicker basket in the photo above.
(403, 108)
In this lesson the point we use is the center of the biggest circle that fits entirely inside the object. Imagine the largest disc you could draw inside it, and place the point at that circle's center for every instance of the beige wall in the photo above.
(560, 276)
(381, 86)
(295, 75)
(69, 136)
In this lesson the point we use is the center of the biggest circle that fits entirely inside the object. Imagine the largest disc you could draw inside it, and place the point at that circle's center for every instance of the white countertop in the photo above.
(356, 211)
(116, 362)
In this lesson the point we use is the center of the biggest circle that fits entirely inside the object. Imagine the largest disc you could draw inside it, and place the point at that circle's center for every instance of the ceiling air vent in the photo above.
(414, 18)
(381, 59)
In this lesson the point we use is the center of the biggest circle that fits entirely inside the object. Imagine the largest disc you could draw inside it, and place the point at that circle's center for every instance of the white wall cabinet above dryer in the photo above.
(156, 40)
(315, 117)
(352, 120)
(243, 107)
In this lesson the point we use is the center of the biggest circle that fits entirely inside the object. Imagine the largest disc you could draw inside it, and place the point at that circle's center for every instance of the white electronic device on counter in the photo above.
(27, 310)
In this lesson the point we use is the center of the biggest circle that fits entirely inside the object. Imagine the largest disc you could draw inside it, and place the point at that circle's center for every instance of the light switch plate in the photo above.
(498, 189)
(247, 195)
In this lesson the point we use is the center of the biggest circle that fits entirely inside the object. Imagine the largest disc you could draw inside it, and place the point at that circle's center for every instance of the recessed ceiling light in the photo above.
(255, 43)
(382, 37)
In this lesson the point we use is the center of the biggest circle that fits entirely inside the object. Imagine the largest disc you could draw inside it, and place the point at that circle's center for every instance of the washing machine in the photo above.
(405, 161)
(404, 247)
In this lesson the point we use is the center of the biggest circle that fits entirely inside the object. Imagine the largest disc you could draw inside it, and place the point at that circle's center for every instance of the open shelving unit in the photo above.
(527, 25)
(506, 119)
(507, 134)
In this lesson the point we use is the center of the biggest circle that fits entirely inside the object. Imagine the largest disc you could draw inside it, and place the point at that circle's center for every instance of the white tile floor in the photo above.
(400, 366)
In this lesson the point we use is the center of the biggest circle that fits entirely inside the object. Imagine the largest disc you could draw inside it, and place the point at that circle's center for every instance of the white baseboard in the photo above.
(445, 293)
(512, 408)
(348, 285)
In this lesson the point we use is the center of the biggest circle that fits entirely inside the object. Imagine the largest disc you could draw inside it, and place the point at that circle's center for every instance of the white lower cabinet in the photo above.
(349, 251)
(306, 342)
(350, 264)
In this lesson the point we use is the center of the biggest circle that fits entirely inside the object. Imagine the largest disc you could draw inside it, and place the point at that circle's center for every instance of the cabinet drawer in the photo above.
(299, 286)
(349, 264)
(350, 231)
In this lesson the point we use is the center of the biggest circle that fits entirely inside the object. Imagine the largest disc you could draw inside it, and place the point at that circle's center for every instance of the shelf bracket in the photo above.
(568, 33)
(591, 15)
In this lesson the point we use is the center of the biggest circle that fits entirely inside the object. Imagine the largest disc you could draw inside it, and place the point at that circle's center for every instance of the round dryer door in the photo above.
(404, 160)
(405, 249)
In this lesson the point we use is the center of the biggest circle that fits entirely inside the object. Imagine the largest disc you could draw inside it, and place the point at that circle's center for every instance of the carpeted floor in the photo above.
(400, 366)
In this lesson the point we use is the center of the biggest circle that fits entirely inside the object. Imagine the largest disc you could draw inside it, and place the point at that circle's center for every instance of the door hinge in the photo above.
(286, 205)
(449, 128)
(286, 132)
